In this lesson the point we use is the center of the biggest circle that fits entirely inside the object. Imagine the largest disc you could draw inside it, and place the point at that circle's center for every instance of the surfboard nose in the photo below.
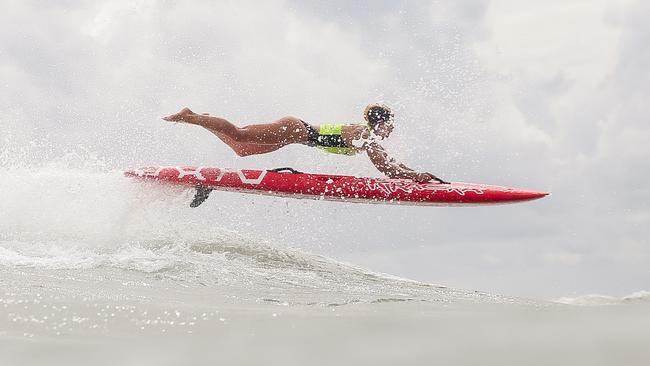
(533, 195)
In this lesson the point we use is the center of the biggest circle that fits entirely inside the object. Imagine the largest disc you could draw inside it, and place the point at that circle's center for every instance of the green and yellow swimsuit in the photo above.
(329, 138)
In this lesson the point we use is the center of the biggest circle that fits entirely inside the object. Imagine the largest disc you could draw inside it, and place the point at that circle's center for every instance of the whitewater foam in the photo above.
(69, 219)
(639, 297)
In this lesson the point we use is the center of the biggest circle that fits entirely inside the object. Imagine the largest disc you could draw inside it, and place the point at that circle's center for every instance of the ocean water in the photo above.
(99, 269)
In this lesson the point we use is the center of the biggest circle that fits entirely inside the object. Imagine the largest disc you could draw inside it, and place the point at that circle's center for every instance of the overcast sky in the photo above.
(546, 95)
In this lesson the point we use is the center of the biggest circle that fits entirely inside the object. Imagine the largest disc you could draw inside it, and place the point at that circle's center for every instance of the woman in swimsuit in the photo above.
(333, 138)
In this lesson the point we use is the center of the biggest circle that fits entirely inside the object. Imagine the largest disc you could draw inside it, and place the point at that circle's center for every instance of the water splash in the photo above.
(72, 219)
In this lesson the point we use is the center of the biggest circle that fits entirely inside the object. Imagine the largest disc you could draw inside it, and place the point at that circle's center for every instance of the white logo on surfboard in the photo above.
(241, 175)
(197, 173)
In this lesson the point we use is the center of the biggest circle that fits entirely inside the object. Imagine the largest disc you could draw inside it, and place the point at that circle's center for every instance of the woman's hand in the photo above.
(422, 177)
(426, 177)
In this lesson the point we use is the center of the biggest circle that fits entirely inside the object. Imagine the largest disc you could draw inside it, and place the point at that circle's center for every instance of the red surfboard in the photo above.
(287, 182)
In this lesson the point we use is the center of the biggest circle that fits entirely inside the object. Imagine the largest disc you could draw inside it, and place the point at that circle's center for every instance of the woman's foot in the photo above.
(180, 116)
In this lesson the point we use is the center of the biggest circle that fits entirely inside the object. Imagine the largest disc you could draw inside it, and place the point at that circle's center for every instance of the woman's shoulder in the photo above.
(362, 138)
(356, 131)
(355, 127)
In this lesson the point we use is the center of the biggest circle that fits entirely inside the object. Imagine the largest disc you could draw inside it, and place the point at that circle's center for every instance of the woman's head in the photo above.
(380, 119)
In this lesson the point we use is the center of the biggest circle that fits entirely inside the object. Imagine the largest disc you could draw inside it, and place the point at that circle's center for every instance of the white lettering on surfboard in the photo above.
(151, 171)
(242, 177)
(199, 175)
(390, 186)
(196, 172)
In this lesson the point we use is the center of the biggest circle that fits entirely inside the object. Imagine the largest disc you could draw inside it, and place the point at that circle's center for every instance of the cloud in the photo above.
(563, 258)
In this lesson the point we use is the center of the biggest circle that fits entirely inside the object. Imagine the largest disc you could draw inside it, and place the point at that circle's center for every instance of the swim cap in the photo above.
(377, 113)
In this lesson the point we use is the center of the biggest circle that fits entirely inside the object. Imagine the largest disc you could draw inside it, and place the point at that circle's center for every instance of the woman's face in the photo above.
(383, 129)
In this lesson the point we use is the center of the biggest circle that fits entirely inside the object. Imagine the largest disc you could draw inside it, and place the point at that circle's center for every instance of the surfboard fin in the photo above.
(202, 194)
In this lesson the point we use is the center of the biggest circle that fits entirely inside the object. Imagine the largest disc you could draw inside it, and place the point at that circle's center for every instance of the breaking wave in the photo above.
(639, 297)
(58, 218)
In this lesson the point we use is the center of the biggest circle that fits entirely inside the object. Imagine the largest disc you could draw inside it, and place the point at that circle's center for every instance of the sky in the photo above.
(542, 95)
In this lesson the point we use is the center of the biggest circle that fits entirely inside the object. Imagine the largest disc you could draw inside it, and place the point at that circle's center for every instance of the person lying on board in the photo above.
(333, 138)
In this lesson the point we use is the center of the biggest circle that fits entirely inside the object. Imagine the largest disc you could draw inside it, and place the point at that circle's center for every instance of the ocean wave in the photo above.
(80, 221)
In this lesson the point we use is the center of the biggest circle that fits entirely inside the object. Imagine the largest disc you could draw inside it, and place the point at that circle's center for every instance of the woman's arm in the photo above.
(393, 169)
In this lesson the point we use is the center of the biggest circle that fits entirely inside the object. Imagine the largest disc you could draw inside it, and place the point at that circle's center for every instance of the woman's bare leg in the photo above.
(243, 149)
(287, 130)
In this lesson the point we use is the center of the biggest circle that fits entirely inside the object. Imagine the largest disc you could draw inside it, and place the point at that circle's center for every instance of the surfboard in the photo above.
(287, 182)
